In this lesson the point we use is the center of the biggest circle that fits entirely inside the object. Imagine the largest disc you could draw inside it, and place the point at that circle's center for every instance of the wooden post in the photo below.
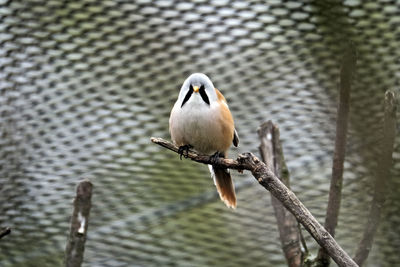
(79, 225)
(272, 155)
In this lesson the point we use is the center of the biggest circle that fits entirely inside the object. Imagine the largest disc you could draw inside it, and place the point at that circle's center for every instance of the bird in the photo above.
(201, 119)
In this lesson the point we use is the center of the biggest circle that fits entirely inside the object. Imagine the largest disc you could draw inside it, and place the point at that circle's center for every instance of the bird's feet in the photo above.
(183, 149)
(214, 158)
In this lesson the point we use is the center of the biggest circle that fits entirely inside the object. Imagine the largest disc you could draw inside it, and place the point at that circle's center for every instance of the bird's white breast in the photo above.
(197, 124)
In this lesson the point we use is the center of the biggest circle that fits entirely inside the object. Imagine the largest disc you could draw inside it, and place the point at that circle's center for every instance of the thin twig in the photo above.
(79, 225)
(303, 241)
(5, 232)
(272, 155)
(265, 176)
(335, 190)
(383, 171)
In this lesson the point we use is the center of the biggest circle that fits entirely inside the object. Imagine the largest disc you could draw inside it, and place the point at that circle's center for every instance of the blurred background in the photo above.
(85, 84)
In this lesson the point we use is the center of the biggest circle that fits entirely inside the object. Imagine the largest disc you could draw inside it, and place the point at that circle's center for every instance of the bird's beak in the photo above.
(196, 89)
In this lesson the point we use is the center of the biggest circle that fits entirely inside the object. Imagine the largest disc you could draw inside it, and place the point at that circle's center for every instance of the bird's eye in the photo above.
(189, 93)
(204, 94)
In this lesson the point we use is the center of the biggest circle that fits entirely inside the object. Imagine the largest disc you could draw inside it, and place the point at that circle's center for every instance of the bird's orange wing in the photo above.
(228, 127)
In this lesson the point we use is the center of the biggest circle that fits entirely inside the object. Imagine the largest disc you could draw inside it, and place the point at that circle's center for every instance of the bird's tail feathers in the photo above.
(223, 182)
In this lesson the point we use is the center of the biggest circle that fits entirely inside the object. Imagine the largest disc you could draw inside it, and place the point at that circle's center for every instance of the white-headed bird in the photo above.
(201, 119)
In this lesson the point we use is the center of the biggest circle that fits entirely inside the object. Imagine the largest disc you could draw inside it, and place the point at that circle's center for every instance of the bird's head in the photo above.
(197, 88)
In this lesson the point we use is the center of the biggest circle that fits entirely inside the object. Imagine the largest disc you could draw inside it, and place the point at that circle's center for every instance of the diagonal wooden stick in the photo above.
(266, 177)
(5, 232)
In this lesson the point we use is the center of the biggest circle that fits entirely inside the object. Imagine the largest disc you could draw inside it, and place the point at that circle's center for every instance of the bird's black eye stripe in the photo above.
(204, 94)
(189, 93)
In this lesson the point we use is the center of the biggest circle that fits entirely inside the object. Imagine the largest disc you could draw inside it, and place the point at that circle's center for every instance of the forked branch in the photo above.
(266, 177)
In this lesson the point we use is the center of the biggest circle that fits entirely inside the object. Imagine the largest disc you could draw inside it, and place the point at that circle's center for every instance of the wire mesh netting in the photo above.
(84, 84)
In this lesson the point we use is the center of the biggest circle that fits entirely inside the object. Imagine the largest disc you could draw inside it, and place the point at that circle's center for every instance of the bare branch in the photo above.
(383, 171)
(79, 225)
(335, 190)
(269, 181)
(5, 231)
(272, 155)
(227, 163)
